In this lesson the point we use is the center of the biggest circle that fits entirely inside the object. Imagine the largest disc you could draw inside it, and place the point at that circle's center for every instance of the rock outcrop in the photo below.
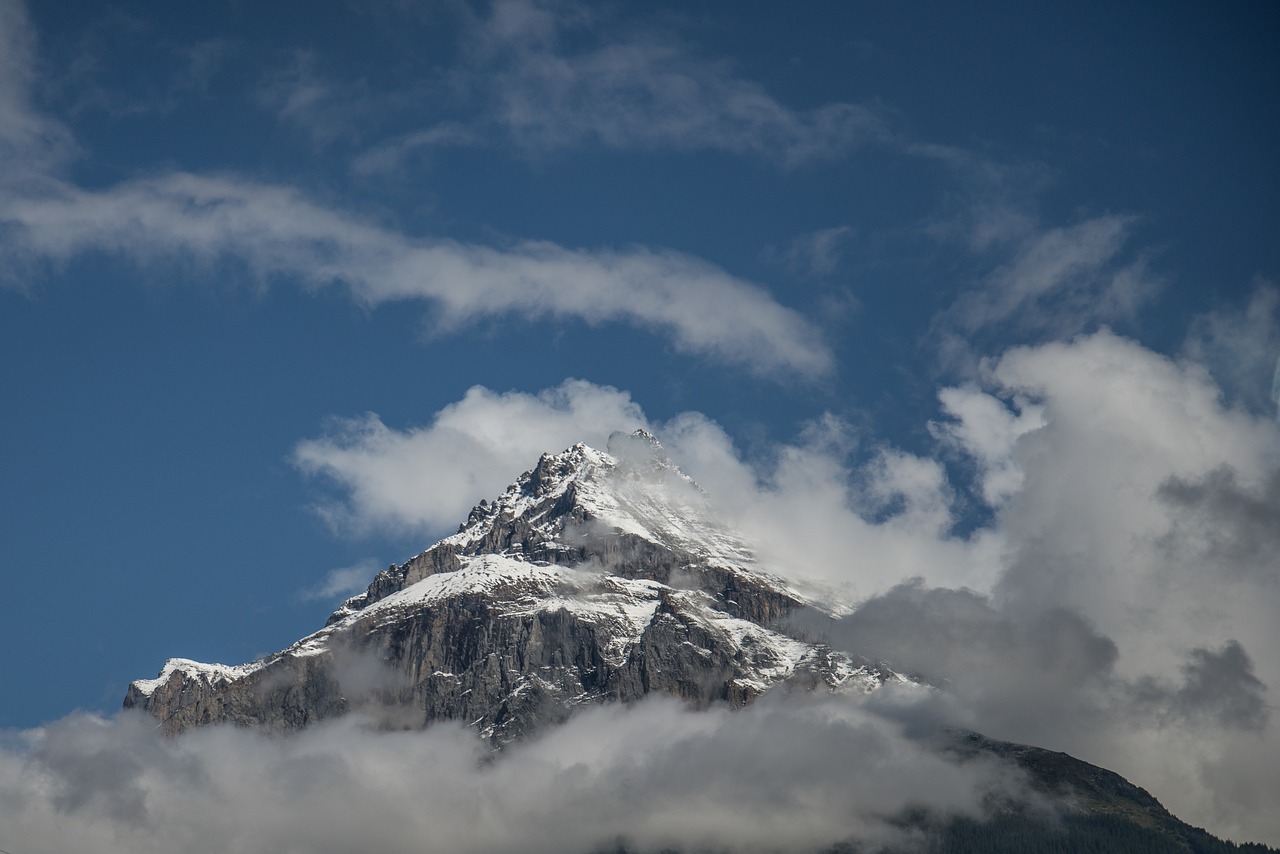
(595, 577)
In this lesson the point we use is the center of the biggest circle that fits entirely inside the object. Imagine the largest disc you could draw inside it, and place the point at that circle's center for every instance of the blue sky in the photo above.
(277, 282)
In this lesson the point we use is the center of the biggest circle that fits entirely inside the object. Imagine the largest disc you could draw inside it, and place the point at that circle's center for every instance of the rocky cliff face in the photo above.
(595, 577)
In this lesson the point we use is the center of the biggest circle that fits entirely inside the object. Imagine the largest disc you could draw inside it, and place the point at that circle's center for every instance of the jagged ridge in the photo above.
(596, 576)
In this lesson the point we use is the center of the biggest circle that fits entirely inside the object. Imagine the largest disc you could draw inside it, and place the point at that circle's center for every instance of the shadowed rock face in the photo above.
(592, 578)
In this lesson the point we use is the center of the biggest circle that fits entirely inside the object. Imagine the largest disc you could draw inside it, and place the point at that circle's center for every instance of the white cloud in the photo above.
(1241, 347)
(812, 514)
(427, 478)
(816, 517)
(654, 95)
(1123, 599)
(1117, 520)
(276, 232)
(987, 430)
(1061, 281)
(343, 581)
(622, 89)
(820, 252)
(1113, 484)
(389, 156)
(796, 775)
(1128, 573)
(29, 142)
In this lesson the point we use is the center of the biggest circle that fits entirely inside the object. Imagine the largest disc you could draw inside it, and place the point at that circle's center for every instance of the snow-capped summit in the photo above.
(630, 512)
(595, 576)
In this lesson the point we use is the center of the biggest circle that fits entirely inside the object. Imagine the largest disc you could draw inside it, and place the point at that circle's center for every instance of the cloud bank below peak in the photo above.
(799, 776)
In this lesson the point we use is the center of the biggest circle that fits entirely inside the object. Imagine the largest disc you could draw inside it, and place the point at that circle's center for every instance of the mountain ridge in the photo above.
(603, 577)
(595, 576)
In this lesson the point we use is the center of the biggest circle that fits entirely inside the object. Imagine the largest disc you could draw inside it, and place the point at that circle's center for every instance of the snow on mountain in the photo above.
(595, 576)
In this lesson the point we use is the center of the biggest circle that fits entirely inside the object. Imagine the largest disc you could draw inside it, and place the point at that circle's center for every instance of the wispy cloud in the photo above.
(820, 252)
(647, 94)
(178, 74)
(797, 776)
(1032, 280)
(343, 581)
(1241, 346)
(325, 108)
(1061, 280)
(30, 143)
(279, 233)
(545, 77)
(389, 156)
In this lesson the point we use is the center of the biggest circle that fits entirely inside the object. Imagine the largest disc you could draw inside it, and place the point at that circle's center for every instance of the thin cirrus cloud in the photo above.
(651, 95)
(623, 89)
(342, 582)
(278, 232)
(29, 141)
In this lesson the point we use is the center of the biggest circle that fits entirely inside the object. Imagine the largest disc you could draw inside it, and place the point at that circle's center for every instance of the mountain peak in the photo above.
(595, 576)
(637, 448)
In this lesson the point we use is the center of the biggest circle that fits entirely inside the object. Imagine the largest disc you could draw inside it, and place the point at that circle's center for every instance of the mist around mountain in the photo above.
(965, 318)
(594, 662)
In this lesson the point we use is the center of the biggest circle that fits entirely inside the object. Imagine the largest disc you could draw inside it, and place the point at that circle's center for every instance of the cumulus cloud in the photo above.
(1117, 603)
(1144, 509)
(986, 430)
(791, 775)
(809, 509)
(1049, 677)
(1089, 520)
(1225, 524)
(1118, 606)
(816, 513)
(997, 666)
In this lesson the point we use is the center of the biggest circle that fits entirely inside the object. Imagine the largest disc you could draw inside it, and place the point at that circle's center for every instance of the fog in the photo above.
(791, 773)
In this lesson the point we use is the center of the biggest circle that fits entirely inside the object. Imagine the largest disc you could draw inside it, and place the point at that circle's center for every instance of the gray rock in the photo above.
(591, 579)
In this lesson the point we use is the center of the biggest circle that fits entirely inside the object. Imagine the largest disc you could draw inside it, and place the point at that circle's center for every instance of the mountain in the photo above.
(594, 577)
(606, 577)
